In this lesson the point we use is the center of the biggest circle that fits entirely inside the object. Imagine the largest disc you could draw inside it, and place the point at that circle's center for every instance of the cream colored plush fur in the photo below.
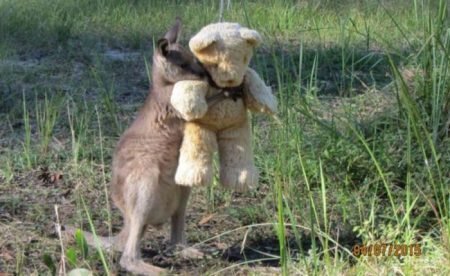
(225, 49)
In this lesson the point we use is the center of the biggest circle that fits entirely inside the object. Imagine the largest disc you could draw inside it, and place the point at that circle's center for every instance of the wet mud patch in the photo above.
(264, 249)
(259, 251)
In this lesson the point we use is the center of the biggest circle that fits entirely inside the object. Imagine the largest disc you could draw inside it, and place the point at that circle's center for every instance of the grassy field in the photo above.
(358, 154)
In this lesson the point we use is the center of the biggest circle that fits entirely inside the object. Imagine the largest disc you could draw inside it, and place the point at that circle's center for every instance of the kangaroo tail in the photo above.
(107, 243)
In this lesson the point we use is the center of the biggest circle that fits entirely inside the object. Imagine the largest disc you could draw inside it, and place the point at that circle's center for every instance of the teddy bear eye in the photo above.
(245, 59)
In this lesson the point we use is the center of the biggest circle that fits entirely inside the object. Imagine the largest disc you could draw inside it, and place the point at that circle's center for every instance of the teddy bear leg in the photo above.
(237, 170)
(196, 153)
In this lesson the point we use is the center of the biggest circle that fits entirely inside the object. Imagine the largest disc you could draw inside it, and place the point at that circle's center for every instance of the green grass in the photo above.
(358, 153)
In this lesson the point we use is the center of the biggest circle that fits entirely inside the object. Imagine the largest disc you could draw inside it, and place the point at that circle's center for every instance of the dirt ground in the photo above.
(27, 227)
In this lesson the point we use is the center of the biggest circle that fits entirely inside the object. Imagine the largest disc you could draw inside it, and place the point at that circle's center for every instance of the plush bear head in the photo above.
(225, 49)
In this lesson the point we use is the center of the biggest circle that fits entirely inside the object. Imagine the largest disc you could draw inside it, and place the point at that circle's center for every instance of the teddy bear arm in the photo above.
(258, 96)
(188, 98)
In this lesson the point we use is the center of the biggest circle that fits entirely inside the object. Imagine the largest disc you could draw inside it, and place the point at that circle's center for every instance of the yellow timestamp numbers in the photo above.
(387, 249)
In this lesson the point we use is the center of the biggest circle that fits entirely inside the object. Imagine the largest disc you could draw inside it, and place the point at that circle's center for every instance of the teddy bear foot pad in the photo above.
(193, 176)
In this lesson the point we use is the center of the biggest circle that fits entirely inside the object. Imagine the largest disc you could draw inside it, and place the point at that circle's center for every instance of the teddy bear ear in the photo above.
(201, 43)
(251, 36)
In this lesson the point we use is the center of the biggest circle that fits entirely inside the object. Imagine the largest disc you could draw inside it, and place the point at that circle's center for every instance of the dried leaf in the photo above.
(206, 219)
(6, 256)
(48, 177)
(55, 177)
(221, 245)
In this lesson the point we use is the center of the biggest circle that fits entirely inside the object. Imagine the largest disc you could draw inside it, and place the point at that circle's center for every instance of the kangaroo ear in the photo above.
(173, 35)
(163, 46)
(251, 36)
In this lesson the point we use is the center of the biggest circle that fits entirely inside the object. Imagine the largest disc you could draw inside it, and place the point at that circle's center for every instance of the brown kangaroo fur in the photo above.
(146, 159)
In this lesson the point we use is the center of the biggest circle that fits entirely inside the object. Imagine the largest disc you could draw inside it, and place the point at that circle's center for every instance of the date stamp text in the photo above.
(387, 249)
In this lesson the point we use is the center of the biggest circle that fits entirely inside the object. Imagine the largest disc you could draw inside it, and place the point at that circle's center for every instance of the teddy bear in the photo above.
(225, 50)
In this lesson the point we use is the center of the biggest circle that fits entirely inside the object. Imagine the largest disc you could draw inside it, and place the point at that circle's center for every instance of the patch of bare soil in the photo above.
(117, 55)
(27, 231)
